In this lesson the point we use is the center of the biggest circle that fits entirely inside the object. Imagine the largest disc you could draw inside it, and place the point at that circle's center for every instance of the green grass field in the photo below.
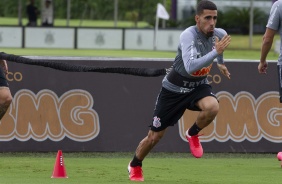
(170, 168)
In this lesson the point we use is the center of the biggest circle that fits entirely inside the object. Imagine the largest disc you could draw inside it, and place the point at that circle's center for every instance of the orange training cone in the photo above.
(59, 167)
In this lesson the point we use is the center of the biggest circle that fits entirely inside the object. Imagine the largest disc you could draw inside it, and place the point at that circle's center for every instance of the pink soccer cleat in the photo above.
(279, 156)
(135, 173)
(195, 145)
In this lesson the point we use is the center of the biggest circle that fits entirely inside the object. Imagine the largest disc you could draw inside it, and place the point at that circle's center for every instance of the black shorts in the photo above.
(3, 80)
(171, 106)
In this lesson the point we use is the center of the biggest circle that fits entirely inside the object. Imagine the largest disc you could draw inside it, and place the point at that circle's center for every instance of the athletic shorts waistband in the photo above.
(181, 81)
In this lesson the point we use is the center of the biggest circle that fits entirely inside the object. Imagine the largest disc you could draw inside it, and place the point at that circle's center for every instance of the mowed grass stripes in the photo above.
(158, 168)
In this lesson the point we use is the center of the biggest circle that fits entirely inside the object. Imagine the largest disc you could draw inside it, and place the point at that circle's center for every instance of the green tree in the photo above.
(239, 19)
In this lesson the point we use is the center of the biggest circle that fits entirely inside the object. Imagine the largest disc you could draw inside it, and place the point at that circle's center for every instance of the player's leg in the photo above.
(167, 112)
(279, 68)
(144, 147)
(5, 100)
(5, 94)
(208, 106)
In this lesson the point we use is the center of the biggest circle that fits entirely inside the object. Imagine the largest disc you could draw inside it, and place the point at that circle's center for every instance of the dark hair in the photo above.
(205, 5)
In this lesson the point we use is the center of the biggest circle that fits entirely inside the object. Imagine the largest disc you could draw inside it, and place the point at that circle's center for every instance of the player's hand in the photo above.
(262, 67)
(4, 65)
(221, 45)
(223, 69)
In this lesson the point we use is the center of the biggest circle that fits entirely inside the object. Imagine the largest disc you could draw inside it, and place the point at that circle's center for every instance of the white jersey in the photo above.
(275, 21)
(195, 57)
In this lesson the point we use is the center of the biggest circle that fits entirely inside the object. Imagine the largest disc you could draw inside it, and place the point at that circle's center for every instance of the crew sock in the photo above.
(136, 162)
(194, 130)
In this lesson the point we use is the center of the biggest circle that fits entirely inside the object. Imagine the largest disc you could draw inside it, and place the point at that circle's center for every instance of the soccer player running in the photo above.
(273, 26)
(186, 85)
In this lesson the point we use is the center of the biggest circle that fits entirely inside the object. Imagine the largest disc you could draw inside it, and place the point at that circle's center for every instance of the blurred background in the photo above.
(234, 15)
(128, 25)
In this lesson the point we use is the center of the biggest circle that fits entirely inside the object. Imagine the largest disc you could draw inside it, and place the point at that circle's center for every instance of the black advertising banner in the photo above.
(88, 111)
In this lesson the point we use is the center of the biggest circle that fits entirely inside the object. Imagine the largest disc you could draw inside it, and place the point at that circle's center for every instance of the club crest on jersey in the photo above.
(202, 72)
(199, 55)
(157, 122)
(213, 39)
(199, 42)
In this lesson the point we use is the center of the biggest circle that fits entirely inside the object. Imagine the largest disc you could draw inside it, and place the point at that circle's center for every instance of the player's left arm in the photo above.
(223, 69)
(220, 61)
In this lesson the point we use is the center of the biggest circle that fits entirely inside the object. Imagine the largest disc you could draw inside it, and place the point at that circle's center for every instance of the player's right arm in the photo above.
(272, 26)
(193, 59)
(265, 48)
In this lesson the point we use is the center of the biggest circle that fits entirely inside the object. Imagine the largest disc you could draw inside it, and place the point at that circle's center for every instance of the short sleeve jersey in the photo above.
(275, 21)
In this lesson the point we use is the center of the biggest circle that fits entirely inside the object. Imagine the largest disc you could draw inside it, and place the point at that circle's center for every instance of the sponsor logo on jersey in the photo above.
(202, 72)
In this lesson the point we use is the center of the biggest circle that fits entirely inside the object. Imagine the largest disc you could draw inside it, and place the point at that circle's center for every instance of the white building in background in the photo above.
(187, 7)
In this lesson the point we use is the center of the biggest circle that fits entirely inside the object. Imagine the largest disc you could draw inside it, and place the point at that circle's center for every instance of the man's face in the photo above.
(206, 22)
